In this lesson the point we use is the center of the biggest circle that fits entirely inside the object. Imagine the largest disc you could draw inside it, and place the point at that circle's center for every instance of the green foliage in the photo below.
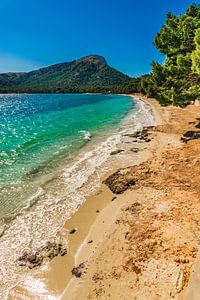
(196, 53)
(177, 80)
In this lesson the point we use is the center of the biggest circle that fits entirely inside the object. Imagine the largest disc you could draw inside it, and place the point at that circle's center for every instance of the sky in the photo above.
(37, 33)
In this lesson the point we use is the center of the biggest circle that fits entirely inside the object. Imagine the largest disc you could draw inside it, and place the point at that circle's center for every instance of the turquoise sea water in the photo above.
(40, 132)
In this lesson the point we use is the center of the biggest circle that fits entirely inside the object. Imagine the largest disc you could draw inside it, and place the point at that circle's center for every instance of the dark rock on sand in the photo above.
(114, 198)
(190, 135)
(142, 136)
(72, 231)
(34, 259)
(129, 177)
(78, 271)
(51, 250)
(90, 241)
(30, 260)
(119, 182)
(116, 152)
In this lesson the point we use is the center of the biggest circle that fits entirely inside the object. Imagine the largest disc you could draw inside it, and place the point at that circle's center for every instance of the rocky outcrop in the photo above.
(127, 178)
(34, 259)
(78, 271)
(120, 181)
(190, 135)
(72, 231)
(30, 260)
(116, 152)
(142, 135)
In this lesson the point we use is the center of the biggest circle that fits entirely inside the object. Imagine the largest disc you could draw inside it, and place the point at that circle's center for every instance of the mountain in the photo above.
(87, 74)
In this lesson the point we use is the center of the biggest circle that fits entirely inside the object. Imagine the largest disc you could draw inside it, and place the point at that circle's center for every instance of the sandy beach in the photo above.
(100, 150)
(145, 243)
(137, 237)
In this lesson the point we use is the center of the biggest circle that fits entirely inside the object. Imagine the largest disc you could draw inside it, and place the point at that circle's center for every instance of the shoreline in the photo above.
(150, 249)
(104, 223)
(52, 265)
(97, 260)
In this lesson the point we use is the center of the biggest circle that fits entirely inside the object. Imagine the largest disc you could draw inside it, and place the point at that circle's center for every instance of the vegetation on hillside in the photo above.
(177, 81)
(88, 74)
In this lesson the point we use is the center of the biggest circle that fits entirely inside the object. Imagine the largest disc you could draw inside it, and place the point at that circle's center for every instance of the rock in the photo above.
(72, 231)
(147, 140)
(78, 271)
(97, 211)
(141, 135)
(114, 198)
(90, 241)
(119, 183)
(63, 252)
(133, 135)
(116, 152)
(34, 259)
(30, 260)
(53, 249)
(198, 125)
(190, 135)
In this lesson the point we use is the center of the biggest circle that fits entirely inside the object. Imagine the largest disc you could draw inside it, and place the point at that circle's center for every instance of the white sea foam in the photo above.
(142, 117)
(53, 204)
(86, 135)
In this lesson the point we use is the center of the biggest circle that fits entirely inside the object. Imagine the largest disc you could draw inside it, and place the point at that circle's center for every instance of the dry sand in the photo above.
(149, 242)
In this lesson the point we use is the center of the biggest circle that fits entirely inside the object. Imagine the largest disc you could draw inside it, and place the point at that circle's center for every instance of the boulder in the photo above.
(78, 271)
(34, 259)
(119, 182)
(190, 135)
(116, 152)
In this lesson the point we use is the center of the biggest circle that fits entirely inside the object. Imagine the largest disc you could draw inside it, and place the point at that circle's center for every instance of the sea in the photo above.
(53, 152)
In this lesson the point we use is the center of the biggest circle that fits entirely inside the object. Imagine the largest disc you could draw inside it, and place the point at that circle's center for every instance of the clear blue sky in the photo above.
(36, 33)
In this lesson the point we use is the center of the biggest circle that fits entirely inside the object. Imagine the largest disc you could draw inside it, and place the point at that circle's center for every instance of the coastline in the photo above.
(104, 223)
(105, 257)
(150, 249)
(43, 217)
(124, 159)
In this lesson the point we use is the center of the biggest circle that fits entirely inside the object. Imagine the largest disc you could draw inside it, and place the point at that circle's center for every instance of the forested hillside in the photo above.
(88, 74)
(177, 81)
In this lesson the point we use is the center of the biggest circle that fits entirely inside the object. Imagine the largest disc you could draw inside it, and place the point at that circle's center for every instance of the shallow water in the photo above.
(40, 132)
